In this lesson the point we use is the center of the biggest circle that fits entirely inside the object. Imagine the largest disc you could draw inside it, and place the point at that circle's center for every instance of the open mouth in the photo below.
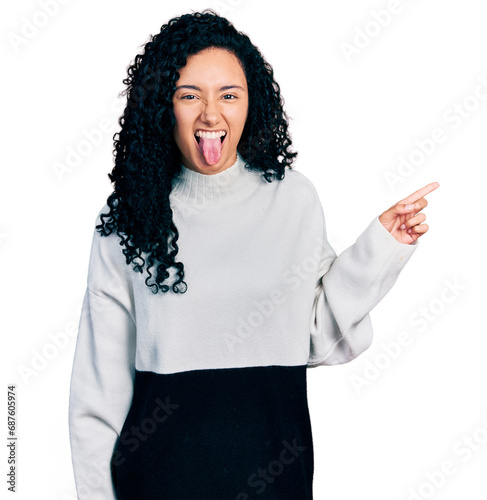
(210, 144)
(210, 135)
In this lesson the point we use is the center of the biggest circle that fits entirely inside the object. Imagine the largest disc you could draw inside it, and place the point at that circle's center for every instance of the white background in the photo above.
(352, 118)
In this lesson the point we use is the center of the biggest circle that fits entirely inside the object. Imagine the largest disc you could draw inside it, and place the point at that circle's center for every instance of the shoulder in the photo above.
(107, 261)
(300, 187)
(105, 210)
(105, 246)
(300, 180)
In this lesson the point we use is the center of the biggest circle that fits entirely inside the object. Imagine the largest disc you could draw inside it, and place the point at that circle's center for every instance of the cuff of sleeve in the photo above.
(385, 248)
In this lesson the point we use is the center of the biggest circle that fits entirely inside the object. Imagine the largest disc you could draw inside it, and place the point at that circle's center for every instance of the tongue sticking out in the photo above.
(211, 149)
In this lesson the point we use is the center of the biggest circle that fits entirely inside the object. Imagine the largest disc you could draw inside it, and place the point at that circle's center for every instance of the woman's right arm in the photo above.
(103, 370)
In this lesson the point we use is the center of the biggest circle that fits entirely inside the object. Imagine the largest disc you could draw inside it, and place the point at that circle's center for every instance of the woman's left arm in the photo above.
(351, 285)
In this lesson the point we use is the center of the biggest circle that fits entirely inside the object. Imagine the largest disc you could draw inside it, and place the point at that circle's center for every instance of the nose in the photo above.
(210, 113)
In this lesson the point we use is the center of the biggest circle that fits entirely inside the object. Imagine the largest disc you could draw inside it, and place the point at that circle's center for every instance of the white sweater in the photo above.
(202, 395)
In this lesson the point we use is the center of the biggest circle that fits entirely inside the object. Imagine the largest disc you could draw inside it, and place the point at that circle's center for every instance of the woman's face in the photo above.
(210, 106)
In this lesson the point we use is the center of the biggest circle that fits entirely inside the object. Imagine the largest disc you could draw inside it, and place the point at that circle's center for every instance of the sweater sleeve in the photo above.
(348, 288)
(103, 370)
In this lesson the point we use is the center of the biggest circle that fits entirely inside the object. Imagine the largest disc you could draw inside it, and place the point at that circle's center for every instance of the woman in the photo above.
(189, 378)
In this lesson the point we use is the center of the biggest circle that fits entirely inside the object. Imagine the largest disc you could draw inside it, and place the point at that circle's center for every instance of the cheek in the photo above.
(244, 113)
(182, 118)
(239, 116)
(182, 127)
(176, 135)
(178, 120)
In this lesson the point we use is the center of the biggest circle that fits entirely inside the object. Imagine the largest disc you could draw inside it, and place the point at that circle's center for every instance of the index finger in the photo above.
(420, 193)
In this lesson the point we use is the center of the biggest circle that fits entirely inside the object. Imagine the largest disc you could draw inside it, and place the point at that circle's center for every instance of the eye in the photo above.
(189, 97)
(229, 95)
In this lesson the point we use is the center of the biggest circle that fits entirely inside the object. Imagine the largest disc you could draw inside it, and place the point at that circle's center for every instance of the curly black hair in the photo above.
(146, 155)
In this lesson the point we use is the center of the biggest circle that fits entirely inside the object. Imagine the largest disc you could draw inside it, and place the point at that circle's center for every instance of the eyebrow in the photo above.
(225, 87)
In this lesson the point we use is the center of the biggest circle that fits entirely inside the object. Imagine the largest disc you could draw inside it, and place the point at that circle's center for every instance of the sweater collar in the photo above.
(214, 189)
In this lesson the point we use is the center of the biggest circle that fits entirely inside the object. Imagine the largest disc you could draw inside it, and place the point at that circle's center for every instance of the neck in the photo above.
(215, 189)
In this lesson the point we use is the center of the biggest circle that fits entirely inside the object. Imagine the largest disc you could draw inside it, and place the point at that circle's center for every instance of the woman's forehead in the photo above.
(213, 63)
(215, 69)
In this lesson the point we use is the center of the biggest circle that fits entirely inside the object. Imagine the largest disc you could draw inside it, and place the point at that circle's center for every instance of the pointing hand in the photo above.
(403, 219)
